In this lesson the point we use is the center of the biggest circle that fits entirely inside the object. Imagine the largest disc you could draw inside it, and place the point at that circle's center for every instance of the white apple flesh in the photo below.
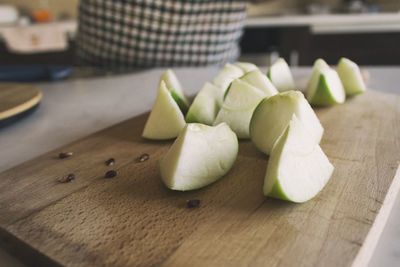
(205, 106)
(257, 79)
(246, 66)
(238, 107)
(351, 77)
(228, 73)
(281, 76)
(166, 119)
(199, 156)
(272, 116)
(297, 169)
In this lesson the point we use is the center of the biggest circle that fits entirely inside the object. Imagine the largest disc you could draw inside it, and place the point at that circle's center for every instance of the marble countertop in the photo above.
(76, 108)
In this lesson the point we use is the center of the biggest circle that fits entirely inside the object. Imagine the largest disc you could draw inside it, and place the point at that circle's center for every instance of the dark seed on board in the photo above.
(192, 203)
(110, 162)
(64, 155)
(66, 179)
(110, 174)
(143, 157)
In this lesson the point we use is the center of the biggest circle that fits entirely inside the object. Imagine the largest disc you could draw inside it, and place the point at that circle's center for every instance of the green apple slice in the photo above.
(166, 119)
(319, 65)
(351, 77)
(257, 79)
(246, 66)
(329, 89)
(272, 116)
(199, 156)
(238, 107)
(281, 76)
(205, 106)
(175, 87)
(224, 78)
(297, 169)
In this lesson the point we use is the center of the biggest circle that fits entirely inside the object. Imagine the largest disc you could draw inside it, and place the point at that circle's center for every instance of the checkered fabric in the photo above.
(118, 34)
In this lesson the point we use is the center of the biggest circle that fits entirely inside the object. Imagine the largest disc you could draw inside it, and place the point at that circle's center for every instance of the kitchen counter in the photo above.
(332, 23)
(73, 109)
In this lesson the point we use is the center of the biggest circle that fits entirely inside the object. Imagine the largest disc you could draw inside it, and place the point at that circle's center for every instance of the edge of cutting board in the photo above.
(25, 105)
(371, 241)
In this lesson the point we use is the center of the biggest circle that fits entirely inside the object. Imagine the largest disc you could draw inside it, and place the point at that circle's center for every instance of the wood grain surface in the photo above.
(17, 98)
(133, 220)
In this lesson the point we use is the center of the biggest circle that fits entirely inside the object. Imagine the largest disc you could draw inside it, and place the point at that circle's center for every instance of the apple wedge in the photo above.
(351, 77)
(281, 76)
(199, 156)
(246, 67)
(297, 169)
(319, 65)
(329, 89)
(205, 106)
(238, 107)
(257, 79)
(175, 87)
(228, 73)
(273, 114)
(166, 119)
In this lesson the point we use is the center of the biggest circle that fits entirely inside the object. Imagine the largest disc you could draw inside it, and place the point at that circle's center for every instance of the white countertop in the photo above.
(74, 109)
(332, 23)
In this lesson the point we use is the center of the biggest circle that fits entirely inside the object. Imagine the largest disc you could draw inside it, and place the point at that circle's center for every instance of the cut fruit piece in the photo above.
(175, 87)
(257, 79)
(238, 107)
(166, 119)
(246, 67)
(319, 65)
(297, 169)
(329, 89)
(272, 116)
(199, 156)
(228, 73)
(281, 76)
(351, 77)
(205, 106)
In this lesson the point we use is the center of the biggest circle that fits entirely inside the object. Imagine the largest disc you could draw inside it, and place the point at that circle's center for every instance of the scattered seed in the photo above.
(64, 155)
(110, 174)
(192, 203)
(66, 179)
(110, 162)
(143, 157)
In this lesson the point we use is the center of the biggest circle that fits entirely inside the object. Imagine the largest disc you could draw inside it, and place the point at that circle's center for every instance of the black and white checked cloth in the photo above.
(123, 34)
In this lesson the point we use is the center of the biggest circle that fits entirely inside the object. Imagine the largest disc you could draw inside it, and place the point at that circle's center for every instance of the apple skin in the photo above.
(350, 75)
(272, 115)
(205, 106)
(312, 85)
(297, 169)
(182, 104)
(174, 86)
(200, 155)
(323, 95)
(166, 119)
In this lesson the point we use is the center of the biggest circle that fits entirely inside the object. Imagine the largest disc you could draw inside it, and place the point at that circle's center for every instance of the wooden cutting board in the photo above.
(16, 101)
(133, 220)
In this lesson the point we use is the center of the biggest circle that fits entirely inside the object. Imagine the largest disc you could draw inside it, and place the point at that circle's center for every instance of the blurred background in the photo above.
(367, 31)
